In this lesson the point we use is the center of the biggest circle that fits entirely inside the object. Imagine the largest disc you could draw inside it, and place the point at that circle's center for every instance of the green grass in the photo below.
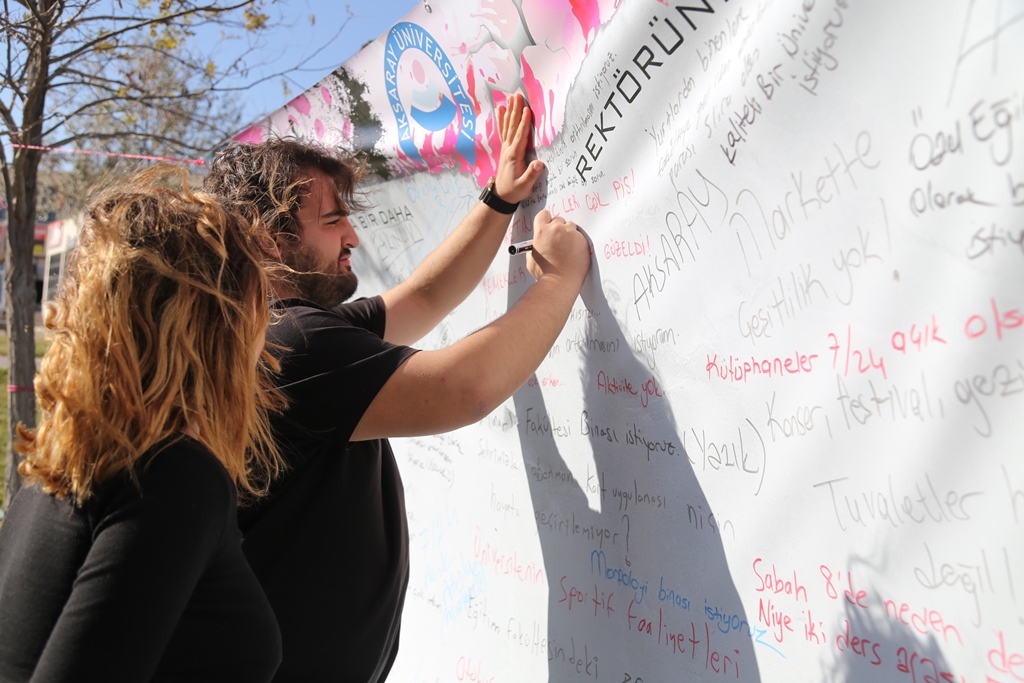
(41, 345)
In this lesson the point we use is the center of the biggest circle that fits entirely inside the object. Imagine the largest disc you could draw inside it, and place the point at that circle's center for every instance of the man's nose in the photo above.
(350, 236)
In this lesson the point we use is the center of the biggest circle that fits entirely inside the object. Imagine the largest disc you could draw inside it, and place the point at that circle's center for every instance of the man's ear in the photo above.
(269, 245)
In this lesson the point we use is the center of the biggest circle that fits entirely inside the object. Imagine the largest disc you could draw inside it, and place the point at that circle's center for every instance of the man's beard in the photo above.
(324, 284)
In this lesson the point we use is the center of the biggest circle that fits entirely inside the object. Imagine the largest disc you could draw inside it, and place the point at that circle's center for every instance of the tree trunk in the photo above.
(19, 273)
(19, 286)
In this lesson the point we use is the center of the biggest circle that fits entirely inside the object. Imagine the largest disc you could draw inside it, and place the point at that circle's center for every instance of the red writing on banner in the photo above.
(917, 337)
(770, 582)
(735, 369)
(468, 670)
(868, 649)
(1005, 662)
(924, 620)
(923, 669)
(980, 325)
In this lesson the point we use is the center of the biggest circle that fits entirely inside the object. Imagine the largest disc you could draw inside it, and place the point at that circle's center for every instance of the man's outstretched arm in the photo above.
(437, 391)
(448, 275)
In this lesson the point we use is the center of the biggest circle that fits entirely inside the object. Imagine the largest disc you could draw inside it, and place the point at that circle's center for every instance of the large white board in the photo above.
(780, 437)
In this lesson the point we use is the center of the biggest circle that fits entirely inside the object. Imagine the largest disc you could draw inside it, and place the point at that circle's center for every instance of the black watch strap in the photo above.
(491, 199)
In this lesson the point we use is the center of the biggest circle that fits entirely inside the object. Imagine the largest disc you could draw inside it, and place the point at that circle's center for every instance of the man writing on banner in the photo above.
(330, 542)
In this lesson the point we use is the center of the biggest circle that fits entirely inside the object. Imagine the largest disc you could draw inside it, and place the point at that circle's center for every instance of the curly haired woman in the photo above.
(120, 557)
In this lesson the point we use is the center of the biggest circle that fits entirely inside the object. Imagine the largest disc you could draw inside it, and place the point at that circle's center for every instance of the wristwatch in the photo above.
(491, 199)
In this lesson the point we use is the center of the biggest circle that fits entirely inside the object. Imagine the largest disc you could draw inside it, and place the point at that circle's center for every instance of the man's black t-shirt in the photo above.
(330, 542)
(143, 582)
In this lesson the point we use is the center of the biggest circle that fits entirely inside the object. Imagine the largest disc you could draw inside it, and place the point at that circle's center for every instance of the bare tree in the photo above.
(121, 74)
(131, 139)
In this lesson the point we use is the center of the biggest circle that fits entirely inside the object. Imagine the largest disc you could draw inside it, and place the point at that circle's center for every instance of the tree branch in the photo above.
(144, 23)
(8, 117)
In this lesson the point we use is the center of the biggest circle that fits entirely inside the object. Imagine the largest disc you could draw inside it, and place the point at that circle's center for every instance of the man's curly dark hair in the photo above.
(267, 180)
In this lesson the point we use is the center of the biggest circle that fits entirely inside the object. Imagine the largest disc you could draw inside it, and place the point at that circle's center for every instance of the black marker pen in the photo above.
(520, 247)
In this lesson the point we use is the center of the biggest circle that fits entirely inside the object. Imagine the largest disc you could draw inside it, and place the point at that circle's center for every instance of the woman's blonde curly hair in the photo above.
(153, 338)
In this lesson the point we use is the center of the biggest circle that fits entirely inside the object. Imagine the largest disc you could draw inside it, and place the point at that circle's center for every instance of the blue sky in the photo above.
(297, 39)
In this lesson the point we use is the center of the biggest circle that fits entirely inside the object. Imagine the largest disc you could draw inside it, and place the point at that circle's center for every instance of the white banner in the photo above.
(780, 437)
